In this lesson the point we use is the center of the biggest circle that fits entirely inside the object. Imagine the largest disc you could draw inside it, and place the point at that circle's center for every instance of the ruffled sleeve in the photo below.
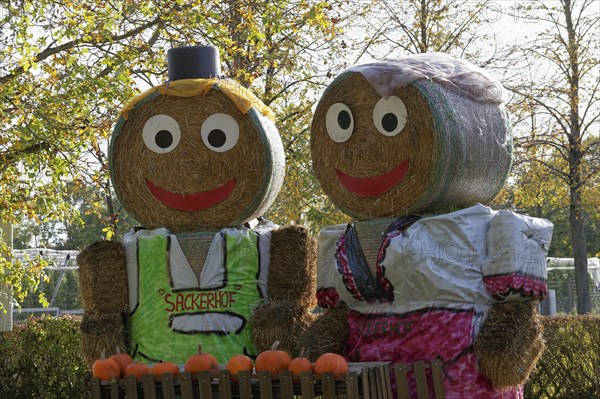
(327, 295)
(514, 267)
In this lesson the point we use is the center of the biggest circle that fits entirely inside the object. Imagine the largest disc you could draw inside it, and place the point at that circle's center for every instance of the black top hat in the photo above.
(193, 62)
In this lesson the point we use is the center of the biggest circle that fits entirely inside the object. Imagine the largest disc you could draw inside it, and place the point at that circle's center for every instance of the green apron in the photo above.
(169, 324)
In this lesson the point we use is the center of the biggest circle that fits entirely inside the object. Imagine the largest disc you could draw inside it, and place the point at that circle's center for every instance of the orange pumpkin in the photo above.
(239, 363)
(201, 362)
(299, 365)
(105, 369)
(164, 367)
(123, 360)
(331, 363)
(137, 370)
(273, 360)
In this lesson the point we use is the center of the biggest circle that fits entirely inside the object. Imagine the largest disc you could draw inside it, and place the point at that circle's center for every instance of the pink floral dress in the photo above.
(436, 280)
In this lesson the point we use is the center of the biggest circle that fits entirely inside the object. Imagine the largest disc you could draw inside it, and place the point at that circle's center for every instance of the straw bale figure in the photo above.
(410, 148)
(197, 161)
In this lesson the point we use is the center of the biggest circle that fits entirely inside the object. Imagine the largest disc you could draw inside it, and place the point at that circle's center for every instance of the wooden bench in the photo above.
(364, 380)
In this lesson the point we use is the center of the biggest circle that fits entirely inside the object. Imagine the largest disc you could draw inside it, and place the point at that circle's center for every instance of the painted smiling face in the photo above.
(372, 155)
(191, 163)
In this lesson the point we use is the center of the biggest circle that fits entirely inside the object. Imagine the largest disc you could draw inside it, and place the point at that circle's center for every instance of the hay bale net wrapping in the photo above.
(256, 162)
(459, 145)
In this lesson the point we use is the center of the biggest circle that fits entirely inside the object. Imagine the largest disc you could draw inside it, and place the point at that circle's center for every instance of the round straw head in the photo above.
(191, 163)
(421, 147)
(371, 174)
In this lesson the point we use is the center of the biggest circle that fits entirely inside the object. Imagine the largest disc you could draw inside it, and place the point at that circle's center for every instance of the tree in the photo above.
(394, 28)
(66, 69)
(559, 95)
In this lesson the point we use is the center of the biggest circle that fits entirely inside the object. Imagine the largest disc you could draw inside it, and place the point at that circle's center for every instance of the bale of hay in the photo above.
(102, 333)
(327, 333)
(454, 150)
(293, 267)
(510, 343)
(281, 321)
(192, 186)
(102, 278)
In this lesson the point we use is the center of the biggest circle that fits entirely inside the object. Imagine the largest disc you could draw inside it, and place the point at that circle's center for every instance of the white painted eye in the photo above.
(339, 122)
(220, 132)
(161, 134)
(390, 116)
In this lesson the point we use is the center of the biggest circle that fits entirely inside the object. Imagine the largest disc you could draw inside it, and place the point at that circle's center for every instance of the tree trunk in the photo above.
(576, 217)
(579, 253)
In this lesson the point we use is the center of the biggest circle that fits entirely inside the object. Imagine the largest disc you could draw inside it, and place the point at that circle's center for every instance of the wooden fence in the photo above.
(364, 380)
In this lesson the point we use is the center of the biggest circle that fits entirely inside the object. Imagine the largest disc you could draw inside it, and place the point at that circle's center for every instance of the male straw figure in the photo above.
(196, 161)
(396, 145)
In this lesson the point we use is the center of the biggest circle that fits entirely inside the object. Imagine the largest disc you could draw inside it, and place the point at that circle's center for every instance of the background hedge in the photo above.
(41, 359)
(570, 365)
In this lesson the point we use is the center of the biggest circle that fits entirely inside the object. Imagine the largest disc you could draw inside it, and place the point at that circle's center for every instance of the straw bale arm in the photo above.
(103, 288)
(291, 290)
(510, 343)
(327, 333)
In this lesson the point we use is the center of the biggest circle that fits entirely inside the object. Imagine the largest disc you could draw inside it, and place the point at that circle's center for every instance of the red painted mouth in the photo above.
(191, 202)
(376, 185)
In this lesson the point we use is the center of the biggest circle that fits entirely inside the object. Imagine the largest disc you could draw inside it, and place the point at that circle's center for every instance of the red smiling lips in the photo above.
(191, 202)
(375, 185)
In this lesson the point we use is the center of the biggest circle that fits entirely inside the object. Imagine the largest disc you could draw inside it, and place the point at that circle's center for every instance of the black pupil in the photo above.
(389, 122)
(344, 119)
(163, 139)
(217, 138)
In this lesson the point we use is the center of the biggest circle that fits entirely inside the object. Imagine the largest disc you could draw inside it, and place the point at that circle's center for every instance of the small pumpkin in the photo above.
(331, 363)
(299, 365)
(122, 359)
(273, 360)
(105, 369)
(238, 363)
(201, 362)
(164, 367)
(138, 370)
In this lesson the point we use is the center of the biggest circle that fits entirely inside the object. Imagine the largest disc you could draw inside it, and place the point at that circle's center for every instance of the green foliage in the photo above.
(41, 359)
(570, 365)
(22, 277)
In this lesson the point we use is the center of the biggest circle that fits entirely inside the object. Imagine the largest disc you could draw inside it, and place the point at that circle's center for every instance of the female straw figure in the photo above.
(410, 148)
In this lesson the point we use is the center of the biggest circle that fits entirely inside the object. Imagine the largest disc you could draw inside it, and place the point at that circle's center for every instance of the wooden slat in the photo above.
(168, 389)
(114, 389)
(264, 385)
(95, 388)
(187, 388)
(204, 386)
(245, 385)
(328, 385)
(400, 372)
(149, 387)
(421, 380)
(352, 385)
(383, 374)
(366, 384)
(373, 383)
(380, 378)
(287, 385)
(131, 387)
(438, 379)
(307, 385)
(224, 384)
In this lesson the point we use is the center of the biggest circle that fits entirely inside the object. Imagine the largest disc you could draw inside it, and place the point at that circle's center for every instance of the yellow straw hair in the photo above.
(243, 98)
